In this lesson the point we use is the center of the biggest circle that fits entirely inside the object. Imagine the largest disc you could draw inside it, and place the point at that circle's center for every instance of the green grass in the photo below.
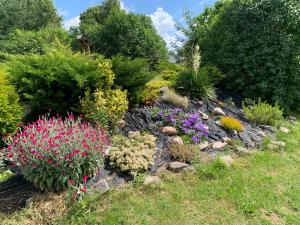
(260, 189)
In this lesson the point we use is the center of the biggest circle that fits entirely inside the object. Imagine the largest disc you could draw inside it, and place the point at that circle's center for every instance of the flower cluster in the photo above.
(189, 124)
(51, 152)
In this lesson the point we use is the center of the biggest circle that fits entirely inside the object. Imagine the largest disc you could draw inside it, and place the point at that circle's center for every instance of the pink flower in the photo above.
(83, 154)
(84, 189)
(85, 178)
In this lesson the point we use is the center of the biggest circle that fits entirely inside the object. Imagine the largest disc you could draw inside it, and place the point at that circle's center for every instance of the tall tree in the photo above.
(27, 15)
(113, 31)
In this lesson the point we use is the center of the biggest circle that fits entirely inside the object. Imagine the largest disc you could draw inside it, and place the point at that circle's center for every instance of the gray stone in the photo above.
(278, 143)
(284, 130)
(99, 187)
(218, 111)
(218, 123)
(244, 136)
(176, 140)
(164, 89)
(292, 118)
(203, 115)
(219, 145)
(121, 123)
(203, 145)
(268, 128)
(169, 131)
(179, 167)
(152, 180)
(227, 160)
(273, 147)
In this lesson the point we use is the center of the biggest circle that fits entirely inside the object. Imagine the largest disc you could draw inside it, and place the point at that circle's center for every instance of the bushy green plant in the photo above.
(54, 153)
(10, 110)
(133, 154)
(263, 113)
(152, 89)
(183, 153)
(214, 170)
(131, 74)
(197, 84)
(256, 44)
(58, 78)
(105, 107)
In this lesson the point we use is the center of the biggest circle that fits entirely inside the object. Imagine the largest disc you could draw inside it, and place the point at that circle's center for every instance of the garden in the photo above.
(99, 126)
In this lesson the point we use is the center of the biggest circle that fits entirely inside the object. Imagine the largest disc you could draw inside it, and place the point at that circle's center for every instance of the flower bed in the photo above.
(52, 153)
(189, 124)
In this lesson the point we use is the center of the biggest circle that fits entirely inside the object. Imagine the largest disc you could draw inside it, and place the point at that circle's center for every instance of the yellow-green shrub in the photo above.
(104, 107)
(230, 123)
(10, 110)
(183, 153)
(151, 90)
(133, 154)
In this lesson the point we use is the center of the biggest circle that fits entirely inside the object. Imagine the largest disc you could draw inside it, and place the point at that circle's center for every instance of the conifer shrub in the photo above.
(10, 110)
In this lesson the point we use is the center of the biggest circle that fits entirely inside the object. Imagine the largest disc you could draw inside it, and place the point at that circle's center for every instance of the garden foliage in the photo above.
(230, 123)
(263, 113)
(54, 153)
(58, 78)
(177, 100)
(10, 110)
(133, 154)
(183, 153)
(152, 89)
(256, 44)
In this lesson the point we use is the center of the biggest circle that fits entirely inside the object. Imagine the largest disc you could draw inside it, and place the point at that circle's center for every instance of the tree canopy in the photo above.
(27, 15)
(255, 43)
(113, 31)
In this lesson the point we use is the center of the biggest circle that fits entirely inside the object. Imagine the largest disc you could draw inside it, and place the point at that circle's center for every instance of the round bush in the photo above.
(53, 152)
(230, 123)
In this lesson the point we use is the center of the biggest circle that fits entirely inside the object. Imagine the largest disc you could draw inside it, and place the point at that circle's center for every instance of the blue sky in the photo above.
(164, 13)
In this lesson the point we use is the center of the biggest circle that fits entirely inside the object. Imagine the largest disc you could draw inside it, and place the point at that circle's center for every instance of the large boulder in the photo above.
(170, 131)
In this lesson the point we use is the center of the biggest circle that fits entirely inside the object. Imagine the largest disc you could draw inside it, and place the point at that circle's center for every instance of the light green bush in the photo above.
(263, 113)
(133, 154)
(10, 109)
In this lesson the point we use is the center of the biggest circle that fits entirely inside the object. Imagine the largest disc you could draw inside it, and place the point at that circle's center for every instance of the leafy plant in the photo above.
(152, 89)
(230, 123)
(52, 153)
(214, 170)
(183, 153)
(263, 113)
(58, 78)
(10, 110)
(133, 154)
(105, 107)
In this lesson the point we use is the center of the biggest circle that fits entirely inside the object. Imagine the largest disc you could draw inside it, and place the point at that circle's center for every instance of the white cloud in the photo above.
(126, 8)
(165, 26)
(63, 12)
(73, 22)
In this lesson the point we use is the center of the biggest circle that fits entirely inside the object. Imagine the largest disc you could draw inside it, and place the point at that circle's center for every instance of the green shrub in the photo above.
(183, 153)
(10, 110)
(214, 170)
(131, 74)
(152, 89)
(198, 84)
(133, 154)
(105, 107)
(58, 78)
(263, 113)
(256, 44)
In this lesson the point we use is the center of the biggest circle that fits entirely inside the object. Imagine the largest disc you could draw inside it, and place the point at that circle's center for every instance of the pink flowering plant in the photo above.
(52, 152)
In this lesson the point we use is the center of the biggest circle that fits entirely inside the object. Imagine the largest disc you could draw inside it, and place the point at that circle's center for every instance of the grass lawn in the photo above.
(260, 189)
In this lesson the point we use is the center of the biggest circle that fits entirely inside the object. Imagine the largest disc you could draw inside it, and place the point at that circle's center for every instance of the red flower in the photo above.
(85, 178)
(83, 154)
(84, 189)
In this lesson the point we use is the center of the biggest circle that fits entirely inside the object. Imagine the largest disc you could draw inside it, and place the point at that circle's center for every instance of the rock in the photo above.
(117, 182)
(121, 123)
(99, 187)
(189, 169)
(203, 145)
(227, 160)
(176, 140)
(273, 147)
(218, 123)
(278, 143)
(29, 201)
(292, 118)
(247, 140)
(169, 131)
(261, 133)
(164, 89)
(268, 128)
(243, 151)
(200, 102)
(284, 130)
(203, 115)
(218, 111)
(219, 145)
(152, 180)
(179, 167)
(226, 139)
